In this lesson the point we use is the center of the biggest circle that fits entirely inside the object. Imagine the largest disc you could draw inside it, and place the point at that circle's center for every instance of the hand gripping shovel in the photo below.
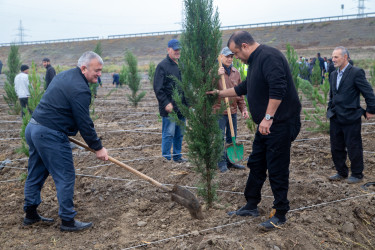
(179, 194)
(234, 150)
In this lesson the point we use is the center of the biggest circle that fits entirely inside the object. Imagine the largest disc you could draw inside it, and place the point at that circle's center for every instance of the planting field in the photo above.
(129, 213)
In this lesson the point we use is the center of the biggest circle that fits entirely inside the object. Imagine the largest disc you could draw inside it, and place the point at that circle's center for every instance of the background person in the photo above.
(62, 112)
(21, 85)
(232, 78)
(345, 112)
(50, 71)
(275, 107)
(172, 134)
(116, 79)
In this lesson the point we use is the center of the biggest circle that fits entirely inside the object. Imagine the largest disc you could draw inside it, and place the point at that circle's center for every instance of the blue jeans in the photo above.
(225, 129)
(172, 134)
(50, 154)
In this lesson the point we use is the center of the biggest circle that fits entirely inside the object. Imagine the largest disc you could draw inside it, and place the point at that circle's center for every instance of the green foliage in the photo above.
(22, 177)
(319, 98)
(151, 72)
(242, 68)
(133, 79)
(372, 75)
(14, 64)
(249, 122)
(124, 75)
(93, 115)
(201, 43)
(316, 75)
(98, 49)
(292, 58)
(36, 93)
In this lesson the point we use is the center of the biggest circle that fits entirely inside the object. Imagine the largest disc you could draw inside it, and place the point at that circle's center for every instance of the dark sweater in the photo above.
(65, 107)
(50, 74)
(269, 77)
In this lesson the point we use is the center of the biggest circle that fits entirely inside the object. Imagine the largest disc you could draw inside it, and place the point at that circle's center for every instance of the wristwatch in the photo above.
(268, 117)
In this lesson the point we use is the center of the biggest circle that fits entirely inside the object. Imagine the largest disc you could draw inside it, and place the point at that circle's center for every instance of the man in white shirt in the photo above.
(21, 85)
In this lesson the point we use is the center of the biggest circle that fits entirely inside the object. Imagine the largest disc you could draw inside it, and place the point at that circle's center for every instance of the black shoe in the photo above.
(336, 177)
(272, 223)
(77, 226)
(28, 222)
(181, 160)
(245, 212)
(353, 180)
(236, 166)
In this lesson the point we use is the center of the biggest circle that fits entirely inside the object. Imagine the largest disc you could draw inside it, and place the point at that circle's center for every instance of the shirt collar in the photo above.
(343, 70)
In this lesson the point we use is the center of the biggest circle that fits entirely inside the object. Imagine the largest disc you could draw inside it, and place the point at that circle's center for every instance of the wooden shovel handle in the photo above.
(123, 165)
(227, 101)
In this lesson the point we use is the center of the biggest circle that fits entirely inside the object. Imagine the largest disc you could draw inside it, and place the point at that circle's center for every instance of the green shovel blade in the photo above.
(235, 151)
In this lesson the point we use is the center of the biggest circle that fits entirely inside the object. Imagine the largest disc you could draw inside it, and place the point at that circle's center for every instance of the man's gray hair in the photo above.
(86, 58)
(344, 51)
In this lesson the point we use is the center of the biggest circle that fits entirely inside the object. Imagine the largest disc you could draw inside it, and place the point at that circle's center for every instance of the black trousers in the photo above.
(347, 137)
(272, 153)
(24, 104)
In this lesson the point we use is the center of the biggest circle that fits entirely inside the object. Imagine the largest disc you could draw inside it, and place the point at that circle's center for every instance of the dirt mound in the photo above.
(129, 213)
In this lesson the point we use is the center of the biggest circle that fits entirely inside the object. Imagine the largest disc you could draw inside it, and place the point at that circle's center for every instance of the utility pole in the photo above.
(361, 8)
(21, 33)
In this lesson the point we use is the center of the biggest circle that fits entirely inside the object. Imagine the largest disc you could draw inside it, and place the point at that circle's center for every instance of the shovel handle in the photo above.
(227, 101)
(123, 165)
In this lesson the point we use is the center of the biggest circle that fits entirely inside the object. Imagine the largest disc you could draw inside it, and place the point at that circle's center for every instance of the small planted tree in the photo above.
(151, 72)
(201, 43)
(134, 79)
(98, 49)
(36, 93)
(123, 75)
(372, 75)
(316, 75)
(292, 58)
(319, 97)
(14, 64)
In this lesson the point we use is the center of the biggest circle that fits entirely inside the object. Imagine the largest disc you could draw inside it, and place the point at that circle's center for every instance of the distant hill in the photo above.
(356, 34)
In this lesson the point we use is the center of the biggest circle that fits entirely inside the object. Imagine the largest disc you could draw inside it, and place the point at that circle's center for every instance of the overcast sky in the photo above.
(51, 19)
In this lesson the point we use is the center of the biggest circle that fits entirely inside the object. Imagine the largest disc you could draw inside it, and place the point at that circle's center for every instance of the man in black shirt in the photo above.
(275, 107)
(62, 112)
(50, 71)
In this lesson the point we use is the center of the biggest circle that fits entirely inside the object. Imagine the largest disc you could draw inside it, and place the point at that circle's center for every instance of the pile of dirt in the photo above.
(129, 212)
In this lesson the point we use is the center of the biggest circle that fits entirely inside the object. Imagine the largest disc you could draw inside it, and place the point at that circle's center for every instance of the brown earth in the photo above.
(128, 212)
(308, 39)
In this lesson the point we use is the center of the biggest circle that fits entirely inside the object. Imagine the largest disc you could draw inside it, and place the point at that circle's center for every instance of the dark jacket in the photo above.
(164, 85)
(50, 74)
(116, 78)
(65, 107)
(269, 77)
(344, 102)
(331, 68)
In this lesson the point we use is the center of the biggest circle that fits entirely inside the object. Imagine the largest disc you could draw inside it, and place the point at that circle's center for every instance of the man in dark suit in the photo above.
(344, 112)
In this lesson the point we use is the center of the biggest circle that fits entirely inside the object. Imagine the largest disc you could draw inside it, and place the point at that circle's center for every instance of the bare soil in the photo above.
(128, 213)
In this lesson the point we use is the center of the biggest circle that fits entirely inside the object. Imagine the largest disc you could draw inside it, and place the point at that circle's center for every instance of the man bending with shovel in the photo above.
(275, 107)
(62, 112)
